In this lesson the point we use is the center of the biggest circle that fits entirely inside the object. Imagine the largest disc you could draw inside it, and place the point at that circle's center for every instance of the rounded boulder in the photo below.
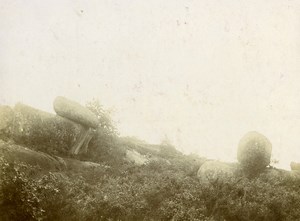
(212, 171)
(254, 152)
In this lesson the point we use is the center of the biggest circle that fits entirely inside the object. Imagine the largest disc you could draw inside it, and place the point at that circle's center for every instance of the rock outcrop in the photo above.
(68, 132)
(45, 131)
(14, 153)
(77, 113)
(212, 171)
(254, 152)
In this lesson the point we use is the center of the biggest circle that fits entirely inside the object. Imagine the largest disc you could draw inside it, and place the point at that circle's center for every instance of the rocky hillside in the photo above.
(72, 165)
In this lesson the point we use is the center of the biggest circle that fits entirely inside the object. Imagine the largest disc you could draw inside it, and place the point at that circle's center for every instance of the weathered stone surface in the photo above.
(295, 166)
(18, 154)
(254, 152)
(14, 153)
(47, 132)
(75, 112)
(81, 145)
(212, 171)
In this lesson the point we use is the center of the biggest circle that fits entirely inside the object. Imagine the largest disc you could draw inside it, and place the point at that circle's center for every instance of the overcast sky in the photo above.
(202, 72)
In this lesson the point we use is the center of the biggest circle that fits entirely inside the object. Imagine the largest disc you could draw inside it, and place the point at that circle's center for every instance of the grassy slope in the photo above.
(164, 188)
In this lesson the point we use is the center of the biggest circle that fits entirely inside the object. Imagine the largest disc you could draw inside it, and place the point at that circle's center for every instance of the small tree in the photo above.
(106, 123)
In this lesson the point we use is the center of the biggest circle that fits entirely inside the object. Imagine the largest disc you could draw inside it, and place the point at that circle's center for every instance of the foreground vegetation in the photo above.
(156, 191)
(165, 188)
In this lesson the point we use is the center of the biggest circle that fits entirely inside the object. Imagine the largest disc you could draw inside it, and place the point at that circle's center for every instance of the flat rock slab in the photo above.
(75, 112)
(14, 153)
(17, 154)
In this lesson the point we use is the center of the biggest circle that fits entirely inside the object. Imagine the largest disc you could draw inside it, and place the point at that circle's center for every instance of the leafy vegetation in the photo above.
(157, 191)
(165, 188)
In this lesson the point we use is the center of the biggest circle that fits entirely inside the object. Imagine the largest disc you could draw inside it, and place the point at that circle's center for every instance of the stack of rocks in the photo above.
(73, 111)
(42, 139)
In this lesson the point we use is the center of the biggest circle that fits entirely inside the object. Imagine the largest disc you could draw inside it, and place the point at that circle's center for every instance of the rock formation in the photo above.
(14, 153)
(212, 171)
(75, 112)
(43, 130)
(254, 152)
(71, 129)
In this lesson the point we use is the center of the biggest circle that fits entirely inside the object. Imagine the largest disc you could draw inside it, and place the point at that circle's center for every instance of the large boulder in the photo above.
(212, 171)
(14, 153)
(44, 131)
(254, 152)
(75, 112)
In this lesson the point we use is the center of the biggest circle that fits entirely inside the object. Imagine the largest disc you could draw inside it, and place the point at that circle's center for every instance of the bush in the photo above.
(18, 194)
(23, 196)
(156, 191)
(164, 189)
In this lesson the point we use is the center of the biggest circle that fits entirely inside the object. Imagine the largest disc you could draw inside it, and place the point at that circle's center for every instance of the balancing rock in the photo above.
(75, 112)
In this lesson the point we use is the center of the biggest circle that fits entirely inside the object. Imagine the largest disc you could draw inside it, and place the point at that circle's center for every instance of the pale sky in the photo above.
(202, 72)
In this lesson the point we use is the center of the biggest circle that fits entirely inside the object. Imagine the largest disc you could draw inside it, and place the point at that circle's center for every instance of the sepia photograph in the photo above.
(138, 110)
